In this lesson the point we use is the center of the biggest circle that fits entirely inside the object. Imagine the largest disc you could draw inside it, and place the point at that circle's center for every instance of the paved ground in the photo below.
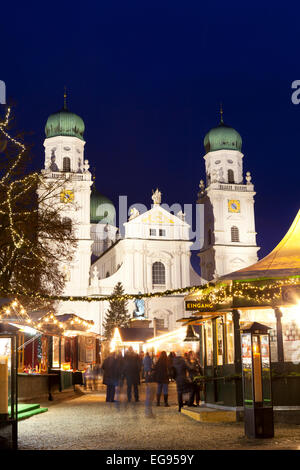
(87, 422)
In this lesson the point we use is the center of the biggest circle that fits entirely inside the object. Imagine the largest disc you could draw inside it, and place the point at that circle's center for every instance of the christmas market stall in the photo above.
(73, 347)
(34, 379)
(181, 340)
(123, 338)
(52, 351)
(267, 292)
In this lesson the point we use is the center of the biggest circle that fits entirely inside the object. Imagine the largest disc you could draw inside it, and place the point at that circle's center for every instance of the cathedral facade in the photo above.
(154, 253)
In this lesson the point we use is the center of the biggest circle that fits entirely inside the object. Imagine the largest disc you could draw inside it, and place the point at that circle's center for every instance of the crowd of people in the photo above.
(133, 368)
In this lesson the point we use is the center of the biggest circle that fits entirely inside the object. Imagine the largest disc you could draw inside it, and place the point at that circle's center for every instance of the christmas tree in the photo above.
(117, 314)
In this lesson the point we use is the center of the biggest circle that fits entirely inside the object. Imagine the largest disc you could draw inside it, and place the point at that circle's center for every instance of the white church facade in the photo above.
(154, 253)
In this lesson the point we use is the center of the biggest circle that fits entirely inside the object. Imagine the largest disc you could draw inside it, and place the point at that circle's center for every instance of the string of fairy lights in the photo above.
(16, 312)
(211, 293)
(27, 182)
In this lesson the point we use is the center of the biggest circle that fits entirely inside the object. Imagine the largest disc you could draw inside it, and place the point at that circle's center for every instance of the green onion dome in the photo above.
(222, 137)
(64, 123)
(102, 209)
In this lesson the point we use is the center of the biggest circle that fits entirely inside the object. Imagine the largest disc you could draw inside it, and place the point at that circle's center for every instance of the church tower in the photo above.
(67, 169)
(229, 225)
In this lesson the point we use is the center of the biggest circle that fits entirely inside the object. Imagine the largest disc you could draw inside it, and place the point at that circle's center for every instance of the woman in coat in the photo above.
(180, 370)
(131, 370)
(110, 376)
(195, 370)
(161, 374)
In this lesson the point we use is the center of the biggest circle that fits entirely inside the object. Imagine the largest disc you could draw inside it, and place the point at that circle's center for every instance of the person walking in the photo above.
(119, 377)
(180, 370)
(132, 373)
(109, 376)
(170, 365)
(147, 366)
(195, 370)
(161, 373)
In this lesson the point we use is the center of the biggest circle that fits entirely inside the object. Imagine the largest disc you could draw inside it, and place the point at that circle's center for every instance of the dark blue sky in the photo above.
(148, 77)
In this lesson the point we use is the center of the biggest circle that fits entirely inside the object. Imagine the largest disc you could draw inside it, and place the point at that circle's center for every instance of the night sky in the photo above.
(148, 78)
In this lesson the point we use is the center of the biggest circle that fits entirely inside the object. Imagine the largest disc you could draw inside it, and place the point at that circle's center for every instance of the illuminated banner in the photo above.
(199, 306)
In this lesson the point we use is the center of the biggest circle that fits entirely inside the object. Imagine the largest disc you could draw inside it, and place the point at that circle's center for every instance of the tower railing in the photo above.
(232, 187)
(67, 175)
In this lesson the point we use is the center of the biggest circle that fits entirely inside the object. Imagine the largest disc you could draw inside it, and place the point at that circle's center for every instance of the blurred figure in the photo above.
(141, 358)
(132, 373)
(110, 376)
(180, 369)
(96, 376)
(88, 378)
(147, 366)
(170, 365)
(195, 370)
(161, 374)
(119, 376)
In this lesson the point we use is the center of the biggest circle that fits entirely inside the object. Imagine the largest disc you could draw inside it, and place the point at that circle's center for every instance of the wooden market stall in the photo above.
(53, 351)
(267, 292)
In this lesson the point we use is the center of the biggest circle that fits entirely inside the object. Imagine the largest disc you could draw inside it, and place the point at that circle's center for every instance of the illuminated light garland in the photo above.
(216, 295)
(19, 144)
(46, 320)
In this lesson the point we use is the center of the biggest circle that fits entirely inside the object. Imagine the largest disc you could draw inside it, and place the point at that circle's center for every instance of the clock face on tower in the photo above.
(66, 196)
(234, 206)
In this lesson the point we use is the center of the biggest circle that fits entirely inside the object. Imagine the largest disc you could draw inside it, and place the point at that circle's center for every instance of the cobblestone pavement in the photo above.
(87, 422)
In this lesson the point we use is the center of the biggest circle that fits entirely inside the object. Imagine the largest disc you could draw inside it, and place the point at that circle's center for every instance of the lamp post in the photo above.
(257, 389)
(8, 392)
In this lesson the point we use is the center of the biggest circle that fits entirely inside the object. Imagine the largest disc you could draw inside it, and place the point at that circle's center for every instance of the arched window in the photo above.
(235, 236)
(66, 164)
(158, 273)
(230, 176)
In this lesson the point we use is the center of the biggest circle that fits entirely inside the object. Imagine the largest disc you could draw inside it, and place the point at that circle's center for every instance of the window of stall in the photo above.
(220, 341)
(55, 352)
(230, 339)
(209, 342)
(20, 349)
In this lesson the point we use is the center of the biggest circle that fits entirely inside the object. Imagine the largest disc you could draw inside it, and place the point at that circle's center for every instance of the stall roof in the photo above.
(283, 261)
(129, 335)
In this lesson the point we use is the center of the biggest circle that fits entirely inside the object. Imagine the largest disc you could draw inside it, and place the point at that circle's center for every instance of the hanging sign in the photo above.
(199, 306)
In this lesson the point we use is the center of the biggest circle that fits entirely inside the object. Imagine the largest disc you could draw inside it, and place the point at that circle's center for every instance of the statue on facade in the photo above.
(156, 196)
(139, 312)
(134, 212)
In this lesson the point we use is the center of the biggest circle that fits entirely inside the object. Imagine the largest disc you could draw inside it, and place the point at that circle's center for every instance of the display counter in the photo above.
(69, 378)
(32, 386)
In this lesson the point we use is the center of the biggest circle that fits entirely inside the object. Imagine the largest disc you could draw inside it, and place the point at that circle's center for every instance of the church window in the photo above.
(230, 176)
(107, 274)
(158, 273)
(66, 164)
(152, 232)
(160, 323)
(162, 233)
(235, 236)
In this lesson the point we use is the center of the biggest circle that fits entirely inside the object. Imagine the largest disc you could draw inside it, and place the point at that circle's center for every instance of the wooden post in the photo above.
(280, 351)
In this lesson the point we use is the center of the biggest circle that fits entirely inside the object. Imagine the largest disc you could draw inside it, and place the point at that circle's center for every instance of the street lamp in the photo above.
(257, 390)
(8, 392)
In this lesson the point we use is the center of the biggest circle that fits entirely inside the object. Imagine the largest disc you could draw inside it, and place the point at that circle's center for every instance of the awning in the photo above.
(283, 261)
